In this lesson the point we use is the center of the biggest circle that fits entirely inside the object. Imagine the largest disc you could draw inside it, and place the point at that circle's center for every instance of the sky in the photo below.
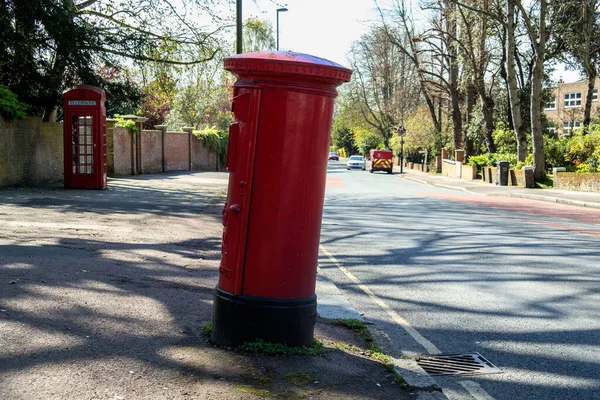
(327, 28)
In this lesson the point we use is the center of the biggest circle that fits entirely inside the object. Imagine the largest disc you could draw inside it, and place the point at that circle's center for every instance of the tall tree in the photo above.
(405, 39)
(538, 32)
(511, 82)
(384, 82)
(475, 46)
(65, 42)
(258, 35)
(578, 22)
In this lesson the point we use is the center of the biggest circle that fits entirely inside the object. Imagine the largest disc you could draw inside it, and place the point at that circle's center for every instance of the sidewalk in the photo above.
(106, 294)
(581, 199)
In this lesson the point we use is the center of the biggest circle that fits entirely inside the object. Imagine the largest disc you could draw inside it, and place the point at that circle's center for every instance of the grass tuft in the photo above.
(207, 329)
(260, 346)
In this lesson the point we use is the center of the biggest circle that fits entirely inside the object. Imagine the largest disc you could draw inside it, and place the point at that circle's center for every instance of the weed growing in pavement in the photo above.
(301, 379)
(374, 351)
(207, 329)
(254, 390)
(260, 346)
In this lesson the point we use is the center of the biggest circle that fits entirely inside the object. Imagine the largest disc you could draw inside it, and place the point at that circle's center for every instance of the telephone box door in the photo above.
(84, 160)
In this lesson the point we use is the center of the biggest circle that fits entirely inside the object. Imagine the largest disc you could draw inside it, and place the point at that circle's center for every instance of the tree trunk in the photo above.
(471, 99)
(587, 113)
(487, 108)
(450, 17)
(55, 83)
(513, 88)
(539, 158)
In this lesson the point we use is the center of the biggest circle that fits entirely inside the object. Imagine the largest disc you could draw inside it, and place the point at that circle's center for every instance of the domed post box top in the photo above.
(287, 66)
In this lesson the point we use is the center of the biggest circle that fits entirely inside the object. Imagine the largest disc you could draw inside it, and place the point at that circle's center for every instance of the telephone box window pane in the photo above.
(88, 120)
(88, 130)
(81, 120)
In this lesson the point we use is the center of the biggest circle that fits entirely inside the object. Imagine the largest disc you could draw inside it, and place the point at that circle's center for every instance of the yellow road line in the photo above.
(475, 390)
(430, 347)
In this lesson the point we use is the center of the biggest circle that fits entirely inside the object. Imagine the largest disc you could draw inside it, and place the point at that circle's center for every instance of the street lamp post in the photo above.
(238, 26)
(401, 133)
(278, 11)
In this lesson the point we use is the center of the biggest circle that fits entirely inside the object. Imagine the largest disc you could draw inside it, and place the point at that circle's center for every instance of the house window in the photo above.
(568, 125)
(551, 105)
(573, 99)
(595, 95)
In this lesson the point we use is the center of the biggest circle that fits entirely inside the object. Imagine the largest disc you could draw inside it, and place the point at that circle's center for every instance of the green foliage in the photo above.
(215, 140)
(260, 346)
(343, 138)
(584, 150)
(370, 141)
(490, 159)
(528, 161)
(358, 326)
(555, 149)
(207, 329)
(128, 124)
(504, 138)
(10, 106)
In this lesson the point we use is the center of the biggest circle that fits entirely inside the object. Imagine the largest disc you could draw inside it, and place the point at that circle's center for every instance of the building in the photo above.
(566, 109)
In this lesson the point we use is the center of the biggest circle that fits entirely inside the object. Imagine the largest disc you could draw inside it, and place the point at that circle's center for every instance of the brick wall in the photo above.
(202, 158)
(151, 152)
(123, 152)
(177, 151)
(589, 182)
(31, 152)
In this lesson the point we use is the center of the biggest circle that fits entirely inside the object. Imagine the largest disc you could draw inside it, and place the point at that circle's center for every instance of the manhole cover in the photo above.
(457, 364)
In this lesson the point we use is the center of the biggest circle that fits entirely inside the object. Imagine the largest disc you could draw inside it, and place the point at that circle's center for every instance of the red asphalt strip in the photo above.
(531, 207)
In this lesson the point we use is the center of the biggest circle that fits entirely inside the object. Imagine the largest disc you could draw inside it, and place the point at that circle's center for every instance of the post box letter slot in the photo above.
(231, 146)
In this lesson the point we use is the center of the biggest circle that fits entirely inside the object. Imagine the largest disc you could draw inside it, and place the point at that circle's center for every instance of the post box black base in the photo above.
(241, 319)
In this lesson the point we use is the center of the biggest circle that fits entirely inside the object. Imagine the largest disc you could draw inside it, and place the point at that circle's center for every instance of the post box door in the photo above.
(83, 150)
(240, 164)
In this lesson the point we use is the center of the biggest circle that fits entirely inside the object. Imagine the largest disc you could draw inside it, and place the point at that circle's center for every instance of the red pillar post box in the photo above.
(85, 138)
(277, 158)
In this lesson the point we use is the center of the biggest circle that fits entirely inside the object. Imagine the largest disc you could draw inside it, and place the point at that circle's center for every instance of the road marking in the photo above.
(430, 347)
(475, 390)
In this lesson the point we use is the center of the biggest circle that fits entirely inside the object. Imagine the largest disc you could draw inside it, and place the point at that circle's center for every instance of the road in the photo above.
(440, 271)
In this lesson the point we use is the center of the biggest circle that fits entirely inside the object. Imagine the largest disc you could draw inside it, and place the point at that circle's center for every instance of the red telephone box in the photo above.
(85, 138)
(277, 158)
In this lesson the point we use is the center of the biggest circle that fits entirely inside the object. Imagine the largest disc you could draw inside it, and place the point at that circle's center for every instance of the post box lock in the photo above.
(235, 207)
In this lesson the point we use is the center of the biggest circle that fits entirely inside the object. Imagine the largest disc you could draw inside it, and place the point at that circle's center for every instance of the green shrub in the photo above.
(490, 159)
(215, 140)
(128, 124)
(584, 150)
(528, 161)
(10, 106)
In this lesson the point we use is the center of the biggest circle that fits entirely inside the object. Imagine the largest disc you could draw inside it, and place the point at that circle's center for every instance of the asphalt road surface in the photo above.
(442, 271)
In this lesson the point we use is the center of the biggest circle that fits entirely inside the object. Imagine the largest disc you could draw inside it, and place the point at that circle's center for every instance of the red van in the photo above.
(381, 160)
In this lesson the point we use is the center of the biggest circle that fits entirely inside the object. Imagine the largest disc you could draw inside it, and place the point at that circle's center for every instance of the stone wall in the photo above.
(456, 169)
(521, 178)
(582, 182)
(31, 152)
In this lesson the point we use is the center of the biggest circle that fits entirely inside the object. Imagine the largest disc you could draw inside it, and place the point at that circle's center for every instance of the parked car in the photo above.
(334, 156)
(356, 162)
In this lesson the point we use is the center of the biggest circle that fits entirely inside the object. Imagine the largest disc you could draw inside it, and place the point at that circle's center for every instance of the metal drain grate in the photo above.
(457, 364)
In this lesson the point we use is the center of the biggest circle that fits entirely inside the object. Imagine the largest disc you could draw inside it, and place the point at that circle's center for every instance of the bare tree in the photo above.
(385, 82)
(538, 36)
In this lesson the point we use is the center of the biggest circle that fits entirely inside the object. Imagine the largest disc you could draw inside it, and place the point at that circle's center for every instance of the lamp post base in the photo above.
(240, 319)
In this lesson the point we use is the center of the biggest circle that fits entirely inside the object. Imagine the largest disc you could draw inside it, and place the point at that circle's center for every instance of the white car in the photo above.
(356, 162)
